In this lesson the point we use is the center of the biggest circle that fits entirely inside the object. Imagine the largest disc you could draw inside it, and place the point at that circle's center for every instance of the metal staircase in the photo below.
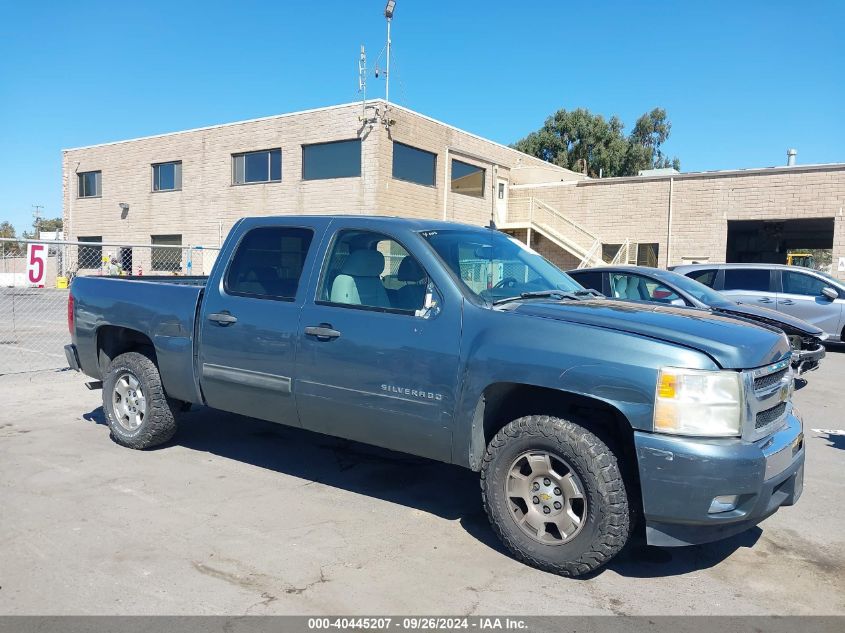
(534, 214)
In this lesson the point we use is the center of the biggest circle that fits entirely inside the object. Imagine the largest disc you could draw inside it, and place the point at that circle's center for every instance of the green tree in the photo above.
(588, 143)
(46, 224)
(7, 230)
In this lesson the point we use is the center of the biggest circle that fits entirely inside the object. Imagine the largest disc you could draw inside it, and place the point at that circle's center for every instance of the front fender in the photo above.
(616, 368)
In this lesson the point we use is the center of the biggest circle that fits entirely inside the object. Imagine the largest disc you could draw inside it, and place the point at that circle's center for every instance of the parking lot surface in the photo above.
(238, 516)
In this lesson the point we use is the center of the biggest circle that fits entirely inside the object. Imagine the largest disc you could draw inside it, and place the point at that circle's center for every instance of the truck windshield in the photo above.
(495, 266)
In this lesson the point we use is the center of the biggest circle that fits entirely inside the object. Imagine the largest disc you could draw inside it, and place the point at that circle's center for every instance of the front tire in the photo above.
(139, 413)
(555, 495)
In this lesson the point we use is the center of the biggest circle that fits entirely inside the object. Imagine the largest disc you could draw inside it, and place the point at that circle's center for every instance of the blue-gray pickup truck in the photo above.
(584, 416)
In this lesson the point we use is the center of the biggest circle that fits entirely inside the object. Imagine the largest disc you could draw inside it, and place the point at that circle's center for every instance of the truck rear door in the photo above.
(250, 317)
(374, 364)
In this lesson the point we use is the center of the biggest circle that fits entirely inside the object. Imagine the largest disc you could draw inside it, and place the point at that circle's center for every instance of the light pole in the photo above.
(388, 13)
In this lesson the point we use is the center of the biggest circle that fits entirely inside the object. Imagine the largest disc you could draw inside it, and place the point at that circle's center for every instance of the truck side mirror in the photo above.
(830, 293)
(431, 303)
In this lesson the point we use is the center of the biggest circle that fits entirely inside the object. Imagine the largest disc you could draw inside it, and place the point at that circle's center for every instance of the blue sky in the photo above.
(741, 81)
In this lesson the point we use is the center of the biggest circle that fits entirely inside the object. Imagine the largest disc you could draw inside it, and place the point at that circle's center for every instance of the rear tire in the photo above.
(139, 413)
(555, 495)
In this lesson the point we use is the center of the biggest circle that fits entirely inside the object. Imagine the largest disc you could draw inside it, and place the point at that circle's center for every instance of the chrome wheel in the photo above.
(129, 404)
(546, 497)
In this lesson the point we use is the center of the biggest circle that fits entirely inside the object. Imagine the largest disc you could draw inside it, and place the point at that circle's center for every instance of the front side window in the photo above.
(756, 279)
(338, 159)
(89, 184)
(414, 165)
(372, 270)
(493, 266)
(163, 258)
(467, 179)
(263, 166)
(639, 288)
(268, 263)
(167, 176)
(90, 256)
(801, 284)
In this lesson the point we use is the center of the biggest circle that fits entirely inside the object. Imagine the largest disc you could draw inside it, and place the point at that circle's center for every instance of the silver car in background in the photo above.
(810, 295)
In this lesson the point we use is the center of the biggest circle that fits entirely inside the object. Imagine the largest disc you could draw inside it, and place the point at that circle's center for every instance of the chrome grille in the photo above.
(766, 417)
(767, 381)
(767, 393)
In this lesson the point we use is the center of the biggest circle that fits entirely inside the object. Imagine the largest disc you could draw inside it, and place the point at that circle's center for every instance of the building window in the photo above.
(263, 166)
(167, 176)
(647, 254)
(89, 184)
(501, 191)
(467, 179)
(338, 159)
(414, 165)
(90, 256)
(166, 259)
(269, 262)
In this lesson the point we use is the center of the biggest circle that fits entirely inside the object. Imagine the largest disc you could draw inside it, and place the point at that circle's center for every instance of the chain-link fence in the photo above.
(34, 280)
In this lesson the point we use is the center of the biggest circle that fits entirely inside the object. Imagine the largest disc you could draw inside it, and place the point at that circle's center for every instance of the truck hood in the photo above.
(786, 322)
(731, 343)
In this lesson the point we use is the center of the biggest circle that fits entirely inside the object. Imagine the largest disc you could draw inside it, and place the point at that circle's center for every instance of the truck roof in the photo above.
(414, 224)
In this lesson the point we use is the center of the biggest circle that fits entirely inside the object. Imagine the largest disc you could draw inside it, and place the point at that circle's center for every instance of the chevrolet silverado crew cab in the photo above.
(460, 344)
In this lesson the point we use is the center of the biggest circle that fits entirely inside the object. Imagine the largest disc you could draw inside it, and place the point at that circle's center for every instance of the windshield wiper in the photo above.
(578, 295)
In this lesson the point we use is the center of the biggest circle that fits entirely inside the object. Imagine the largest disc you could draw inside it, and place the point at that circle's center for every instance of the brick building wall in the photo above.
(209, 203)
(637, 208)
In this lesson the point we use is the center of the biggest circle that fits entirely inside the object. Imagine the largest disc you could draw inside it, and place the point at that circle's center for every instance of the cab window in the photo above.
(371, 270)
(268, 263)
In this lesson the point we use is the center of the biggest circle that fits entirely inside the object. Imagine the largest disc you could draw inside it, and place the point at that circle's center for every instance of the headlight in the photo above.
(698, 402)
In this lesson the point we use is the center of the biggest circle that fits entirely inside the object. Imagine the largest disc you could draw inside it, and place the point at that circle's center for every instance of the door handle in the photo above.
(764, 300)
(222, 318)
(323, 332)
(788, 302)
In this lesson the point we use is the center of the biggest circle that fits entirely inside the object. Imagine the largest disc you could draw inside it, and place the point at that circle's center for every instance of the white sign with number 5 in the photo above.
(36, 264)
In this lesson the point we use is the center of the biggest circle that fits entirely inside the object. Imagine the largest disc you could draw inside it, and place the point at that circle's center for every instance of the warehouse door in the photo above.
(768, 241)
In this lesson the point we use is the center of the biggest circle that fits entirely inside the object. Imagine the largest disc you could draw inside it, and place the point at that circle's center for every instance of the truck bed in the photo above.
(163, 308)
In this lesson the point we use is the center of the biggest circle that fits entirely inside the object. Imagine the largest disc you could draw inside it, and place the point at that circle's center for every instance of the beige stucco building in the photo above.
(190, 187)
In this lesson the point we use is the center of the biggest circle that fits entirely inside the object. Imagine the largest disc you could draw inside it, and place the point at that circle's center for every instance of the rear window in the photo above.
(706, 277)
(747, 279)
(268, 263)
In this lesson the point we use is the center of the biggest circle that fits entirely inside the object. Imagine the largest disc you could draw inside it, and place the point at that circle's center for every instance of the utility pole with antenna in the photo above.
(37, 215)
(389, 8)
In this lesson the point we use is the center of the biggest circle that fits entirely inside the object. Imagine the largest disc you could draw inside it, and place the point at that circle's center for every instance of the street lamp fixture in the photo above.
(388, 9)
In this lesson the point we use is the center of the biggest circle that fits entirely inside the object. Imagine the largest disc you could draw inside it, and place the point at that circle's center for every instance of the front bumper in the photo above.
(805, 360)
(72, 357)
(680, 477)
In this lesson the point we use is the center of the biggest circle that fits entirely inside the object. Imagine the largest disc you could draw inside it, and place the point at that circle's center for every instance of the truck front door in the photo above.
(374, 364)
(250, 319)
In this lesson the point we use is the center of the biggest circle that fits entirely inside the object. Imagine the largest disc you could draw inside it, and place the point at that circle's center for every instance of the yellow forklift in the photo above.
(801, 259)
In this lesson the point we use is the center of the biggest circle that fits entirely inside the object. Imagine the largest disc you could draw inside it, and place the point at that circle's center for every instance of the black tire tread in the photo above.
(615, 523)
(159, 424)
